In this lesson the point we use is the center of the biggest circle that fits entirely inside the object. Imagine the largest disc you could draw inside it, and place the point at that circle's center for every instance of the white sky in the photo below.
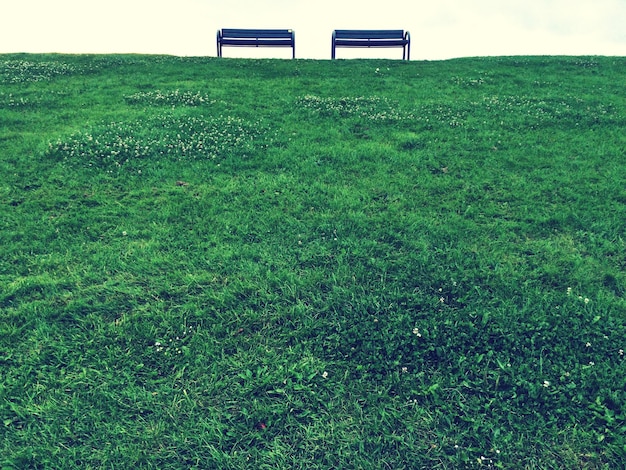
(440, 29)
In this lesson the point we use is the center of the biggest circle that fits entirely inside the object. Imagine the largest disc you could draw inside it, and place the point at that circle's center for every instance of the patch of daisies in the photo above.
(135, 144)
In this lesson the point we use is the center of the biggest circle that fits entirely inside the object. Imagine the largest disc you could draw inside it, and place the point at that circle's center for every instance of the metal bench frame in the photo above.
(372, 38)
(256, 38)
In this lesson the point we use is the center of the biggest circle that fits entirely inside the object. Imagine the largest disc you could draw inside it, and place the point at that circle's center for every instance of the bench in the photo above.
(256, 38)
(372, 38)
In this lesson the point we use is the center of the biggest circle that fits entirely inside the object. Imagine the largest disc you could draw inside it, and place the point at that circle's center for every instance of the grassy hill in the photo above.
(308, 264)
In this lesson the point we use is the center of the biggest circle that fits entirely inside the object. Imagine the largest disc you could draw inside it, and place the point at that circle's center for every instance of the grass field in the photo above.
(310, 264)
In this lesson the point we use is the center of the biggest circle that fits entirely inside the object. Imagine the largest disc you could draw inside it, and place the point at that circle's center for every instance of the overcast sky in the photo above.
(440, 29)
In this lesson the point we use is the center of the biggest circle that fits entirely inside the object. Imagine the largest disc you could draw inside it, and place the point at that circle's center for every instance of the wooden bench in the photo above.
(256, 38)
(372, 38)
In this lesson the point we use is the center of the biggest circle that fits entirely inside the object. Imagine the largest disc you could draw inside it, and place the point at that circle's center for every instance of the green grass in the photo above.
(309, 264)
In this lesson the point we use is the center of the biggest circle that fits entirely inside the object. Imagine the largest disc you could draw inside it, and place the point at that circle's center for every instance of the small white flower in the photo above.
(124, 233)
(591, 363)
(588, 344)
(546, 383)
(569, 291)
(586, 300)
(325, 375)
(417, 333)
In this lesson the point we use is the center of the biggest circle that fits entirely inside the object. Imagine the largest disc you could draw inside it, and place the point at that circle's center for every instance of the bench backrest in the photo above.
(258, 33)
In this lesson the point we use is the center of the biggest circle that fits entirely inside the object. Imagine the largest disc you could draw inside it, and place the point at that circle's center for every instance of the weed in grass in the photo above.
(376, 109)
(135, 145)
(170, 98)
(10, 101)
(532, 113)
(24, 71)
